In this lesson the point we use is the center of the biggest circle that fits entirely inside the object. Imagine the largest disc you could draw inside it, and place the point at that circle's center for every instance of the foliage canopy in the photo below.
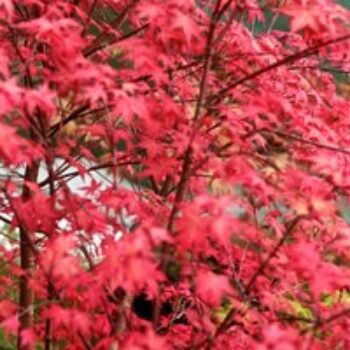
(212, 148)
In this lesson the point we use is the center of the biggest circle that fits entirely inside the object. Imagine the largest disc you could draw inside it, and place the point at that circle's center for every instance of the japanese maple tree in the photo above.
(211, 159)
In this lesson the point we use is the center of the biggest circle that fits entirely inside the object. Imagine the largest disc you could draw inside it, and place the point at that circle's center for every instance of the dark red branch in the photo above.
(289, 59)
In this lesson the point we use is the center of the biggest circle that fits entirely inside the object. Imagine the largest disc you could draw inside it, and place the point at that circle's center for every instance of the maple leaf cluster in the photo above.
(172, 177)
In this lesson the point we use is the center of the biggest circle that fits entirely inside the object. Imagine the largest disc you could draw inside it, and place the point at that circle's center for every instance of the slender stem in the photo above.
(229, 317)
(301, 140)
(312, 143)
(89, 51)
(114, 25)
(187, 162)
(312, 50)
(272, 254)
(332, 318)
(25, 245)
(26, 259)
(106, 165)
(88, 20)
(72, 116)
(50, 289)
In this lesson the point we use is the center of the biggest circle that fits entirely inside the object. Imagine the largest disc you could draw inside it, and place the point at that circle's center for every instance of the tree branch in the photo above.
(228, 319)
(289, 59)
(88, 170)
(187, 162)
(301, 140)
(72, 116)
(91, 50)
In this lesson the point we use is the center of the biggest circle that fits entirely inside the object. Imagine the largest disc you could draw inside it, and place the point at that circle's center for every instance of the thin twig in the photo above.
(289, 59)
(301, 140)
(228, 319)
(89, 51)
(187, 162)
